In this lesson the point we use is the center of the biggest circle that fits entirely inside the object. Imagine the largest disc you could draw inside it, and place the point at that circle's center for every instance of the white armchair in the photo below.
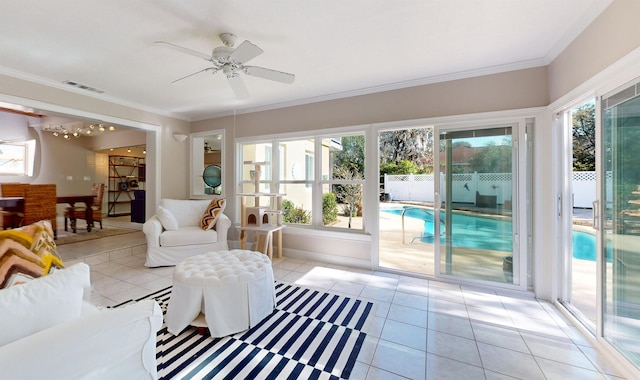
(174, 233)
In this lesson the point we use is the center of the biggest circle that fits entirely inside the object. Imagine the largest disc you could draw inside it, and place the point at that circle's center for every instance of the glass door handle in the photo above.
(595, 214)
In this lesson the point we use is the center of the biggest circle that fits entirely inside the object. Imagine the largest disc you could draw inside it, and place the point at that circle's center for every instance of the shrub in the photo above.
(293, 214)
(329, 208)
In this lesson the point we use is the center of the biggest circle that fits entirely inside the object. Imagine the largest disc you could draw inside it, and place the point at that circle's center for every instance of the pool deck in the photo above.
(412, 255)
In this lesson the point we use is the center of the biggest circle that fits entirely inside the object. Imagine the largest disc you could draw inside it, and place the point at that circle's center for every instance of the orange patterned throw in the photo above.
(211, 214)
(26, 253)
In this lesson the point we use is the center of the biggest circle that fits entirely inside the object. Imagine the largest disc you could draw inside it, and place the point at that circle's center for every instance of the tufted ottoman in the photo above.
(233, 289)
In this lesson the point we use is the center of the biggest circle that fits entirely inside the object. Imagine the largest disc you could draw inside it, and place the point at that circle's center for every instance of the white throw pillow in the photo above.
(167, 219)
(43, 302)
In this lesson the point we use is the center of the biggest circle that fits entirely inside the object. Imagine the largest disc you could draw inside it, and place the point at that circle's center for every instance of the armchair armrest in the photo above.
(152, 229)
(222, 227)
(111, 343)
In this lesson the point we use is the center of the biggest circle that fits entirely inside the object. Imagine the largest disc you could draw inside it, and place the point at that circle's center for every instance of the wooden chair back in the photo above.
(11, 218)
(13, 189)
(97, 190)
(79, 212)
(40, 204)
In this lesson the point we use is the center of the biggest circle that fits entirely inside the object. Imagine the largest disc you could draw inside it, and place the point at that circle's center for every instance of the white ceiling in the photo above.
(334, 47)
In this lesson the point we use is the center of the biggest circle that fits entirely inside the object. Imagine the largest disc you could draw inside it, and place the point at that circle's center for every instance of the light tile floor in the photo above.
(422, 329)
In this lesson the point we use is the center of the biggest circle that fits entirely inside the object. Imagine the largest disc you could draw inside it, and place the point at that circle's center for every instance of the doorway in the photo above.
(406, 216)
(450, 201)
(478, 176)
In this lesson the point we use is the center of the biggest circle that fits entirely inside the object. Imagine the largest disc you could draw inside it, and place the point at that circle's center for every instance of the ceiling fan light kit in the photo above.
(232, 62)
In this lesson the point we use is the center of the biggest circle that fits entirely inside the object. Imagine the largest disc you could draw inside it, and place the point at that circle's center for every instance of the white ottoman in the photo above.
(233, 289)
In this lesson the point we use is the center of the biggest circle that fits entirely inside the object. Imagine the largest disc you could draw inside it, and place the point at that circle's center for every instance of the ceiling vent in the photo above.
(83, 87)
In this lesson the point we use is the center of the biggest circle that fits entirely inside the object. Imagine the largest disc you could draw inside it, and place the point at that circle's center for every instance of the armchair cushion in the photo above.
(167, 219)
(211, 213)
(169, 247)
(187, 236)
(42, 303)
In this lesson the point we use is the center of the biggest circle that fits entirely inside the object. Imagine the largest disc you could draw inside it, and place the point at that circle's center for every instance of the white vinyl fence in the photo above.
(419, 187)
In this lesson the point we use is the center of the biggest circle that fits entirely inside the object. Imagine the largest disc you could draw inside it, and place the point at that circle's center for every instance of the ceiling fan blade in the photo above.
(238, 87)
(274, 75)
(197, 72)
(185, 50)
(246, 52)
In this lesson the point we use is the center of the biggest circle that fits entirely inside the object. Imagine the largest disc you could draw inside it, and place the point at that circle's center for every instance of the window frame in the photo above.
(28, 149)
(315, 184)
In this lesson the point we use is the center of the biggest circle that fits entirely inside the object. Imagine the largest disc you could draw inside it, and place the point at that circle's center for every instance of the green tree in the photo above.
(414, 145)
(492, 159)
(351, 156)
(584, 138)
(402, 167)
(350, 194)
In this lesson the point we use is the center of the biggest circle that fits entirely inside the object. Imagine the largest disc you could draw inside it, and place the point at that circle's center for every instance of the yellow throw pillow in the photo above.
(212, 213)
(27, 252)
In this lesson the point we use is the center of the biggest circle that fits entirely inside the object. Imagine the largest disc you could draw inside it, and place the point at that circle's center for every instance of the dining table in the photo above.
(17, 203)
(84, 198)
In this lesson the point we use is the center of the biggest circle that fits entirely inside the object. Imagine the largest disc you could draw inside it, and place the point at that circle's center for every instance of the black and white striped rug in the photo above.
(310, 335)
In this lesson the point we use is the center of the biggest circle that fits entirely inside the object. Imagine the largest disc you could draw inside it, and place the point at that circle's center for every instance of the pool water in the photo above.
(487, 233)
(469, 231)
(584, 246)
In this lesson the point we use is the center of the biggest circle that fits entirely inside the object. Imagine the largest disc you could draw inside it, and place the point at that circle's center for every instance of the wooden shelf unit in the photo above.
(126, 174)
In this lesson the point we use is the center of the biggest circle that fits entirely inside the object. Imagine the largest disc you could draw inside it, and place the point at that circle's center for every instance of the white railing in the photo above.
(419, 187)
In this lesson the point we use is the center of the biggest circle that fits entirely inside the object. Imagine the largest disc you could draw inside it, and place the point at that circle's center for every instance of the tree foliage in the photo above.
(584, 138)
(352, 154)
(329, 208)
(349, 194)
(402, 167)
(412, 145)
(492, 159)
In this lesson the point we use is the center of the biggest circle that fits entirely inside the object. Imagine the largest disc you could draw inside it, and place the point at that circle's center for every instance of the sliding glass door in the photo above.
(620, 221)
(477, 204)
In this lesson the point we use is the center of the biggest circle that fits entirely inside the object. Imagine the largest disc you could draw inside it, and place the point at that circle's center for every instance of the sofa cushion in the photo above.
(188, 212)
(212, 213)
(27, 252)
(187, 236)
(43, 302)
(167, 219)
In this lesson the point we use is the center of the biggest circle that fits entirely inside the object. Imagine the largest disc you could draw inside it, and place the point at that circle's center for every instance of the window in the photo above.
(322, 177)
(17, 158)
(308, 168)
(296, 181)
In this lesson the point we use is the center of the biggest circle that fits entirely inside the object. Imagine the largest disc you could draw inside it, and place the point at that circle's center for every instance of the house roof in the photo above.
(335, 48)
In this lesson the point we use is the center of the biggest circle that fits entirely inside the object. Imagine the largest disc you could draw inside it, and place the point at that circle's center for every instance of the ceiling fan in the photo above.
(231, 61)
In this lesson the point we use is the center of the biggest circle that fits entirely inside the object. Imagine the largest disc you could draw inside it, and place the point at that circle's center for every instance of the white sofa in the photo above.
(166, 247)
(50, 332)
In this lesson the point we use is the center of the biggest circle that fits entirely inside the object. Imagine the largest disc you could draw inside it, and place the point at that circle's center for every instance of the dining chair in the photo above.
(40, 204)
(11, 218)
(72, 214)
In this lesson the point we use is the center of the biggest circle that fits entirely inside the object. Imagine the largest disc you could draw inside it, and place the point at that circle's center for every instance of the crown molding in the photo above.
(65, 87)
(268, 107)
(576, 29)
(387, 87)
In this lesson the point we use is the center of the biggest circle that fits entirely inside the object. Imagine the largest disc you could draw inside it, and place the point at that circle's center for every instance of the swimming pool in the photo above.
(469, 231)
(472, 231)
(584, 246)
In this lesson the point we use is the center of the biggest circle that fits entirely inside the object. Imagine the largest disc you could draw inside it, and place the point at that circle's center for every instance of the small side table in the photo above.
(233, 289)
